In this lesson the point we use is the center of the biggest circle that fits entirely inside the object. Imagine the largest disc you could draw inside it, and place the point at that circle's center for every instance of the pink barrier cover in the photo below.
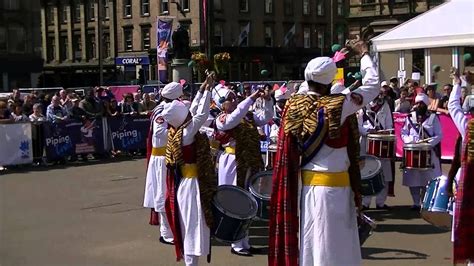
(448, 142)
(119, 91)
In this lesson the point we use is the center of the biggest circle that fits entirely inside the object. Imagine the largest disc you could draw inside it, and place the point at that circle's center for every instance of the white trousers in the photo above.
(165, 229)
(379, 198)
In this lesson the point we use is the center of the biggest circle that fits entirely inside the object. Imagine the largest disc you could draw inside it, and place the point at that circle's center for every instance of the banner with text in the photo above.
(128, 132)
(16, 144)
(163, 33)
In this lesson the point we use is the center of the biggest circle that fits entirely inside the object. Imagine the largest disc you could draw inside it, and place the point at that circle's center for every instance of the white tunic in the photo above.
(420, 178)
(329, 234)
(155, 184)
(227, 165)
(194, 230)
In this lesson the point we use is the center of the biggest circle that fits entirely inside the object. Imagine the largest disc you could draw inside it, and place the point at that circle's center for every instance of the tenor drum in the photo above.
(437, 205)
(372, 179)
(260, 186)
(417, 156)
(366, 227)
(234, 209)
(381, 145)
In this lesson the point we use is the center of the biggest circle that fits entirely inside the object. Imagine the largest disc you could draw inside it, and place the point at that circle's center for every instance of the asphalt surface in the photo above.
(91, 214)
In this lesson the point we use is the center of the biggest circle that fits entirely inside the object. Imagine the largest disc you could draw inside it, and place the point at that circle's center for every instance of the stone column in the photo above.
(180, 67)
(70, 52)
(83, 32)
(56, 34)
(112, 33)
(44, 33)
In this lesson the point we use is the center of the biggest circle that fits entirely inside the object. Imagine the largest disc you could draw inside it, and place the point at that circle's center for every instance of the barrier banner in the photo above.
(73, 137)
(16, 144)
(119, 91)
(128, 132)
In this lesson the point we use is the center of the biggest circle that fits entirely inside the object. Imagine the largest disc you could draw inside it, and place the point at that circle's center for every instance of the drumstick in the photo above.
(425, 140)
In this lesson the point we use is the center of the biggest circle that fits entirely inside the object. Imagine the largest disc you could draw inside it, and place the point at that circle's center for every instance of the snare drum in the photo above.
(381, 145)
(372, 179)
(260, 186)
(234, 209)
(270, 156)
(437, 205)
(366, 227)
(417, 156)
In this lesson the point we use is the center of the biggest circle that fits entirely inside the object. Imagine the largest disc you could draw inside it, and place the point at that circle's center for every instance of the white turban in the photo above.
(282, 95)
(303, 89)
(175, 113)
(172, 91)
(221, 92)
(321, 70)
(421, 97)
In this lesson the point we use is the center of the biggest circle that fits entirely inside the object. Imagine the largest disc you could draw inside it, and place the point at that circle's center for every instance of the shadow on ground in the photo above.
(370, 253)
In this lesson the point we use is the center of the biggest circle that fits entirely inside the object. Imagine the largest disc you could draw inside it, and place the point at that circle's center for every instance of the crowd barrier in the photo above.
(23, 142)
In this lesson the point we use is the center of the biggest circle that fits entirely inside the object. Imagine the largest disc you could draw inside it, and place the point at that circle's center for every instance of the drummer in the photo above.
(374, 117)
(416, 180)
(237, 129)
(281, 95)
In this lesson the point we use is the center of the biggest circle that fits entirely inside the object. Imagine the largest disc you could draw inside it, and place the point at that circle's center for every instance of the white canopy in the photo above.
(447, 25)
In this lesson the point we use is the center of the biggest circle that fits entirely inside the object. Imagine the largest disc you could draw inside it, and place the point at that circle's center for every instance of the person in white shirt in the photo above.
(403, 105)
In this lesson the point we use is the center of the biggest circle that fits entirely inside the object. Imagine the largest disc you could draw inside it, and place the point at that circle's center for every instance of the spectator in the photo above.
(37, 115)
(137, 99)
(16, 96)
(76, 112)
(394, 85)
(153, 97)
(55, 113)
(104, 94)
(28, 102)
(403, 105)
(147, 104)
(91, 105)
(42, 100)
(468, 101)
(388, 94)
(128, 107)
(443, 102)
(17, 113)
(113, 108)
(65, 100)
(433, 98)
(5, 115)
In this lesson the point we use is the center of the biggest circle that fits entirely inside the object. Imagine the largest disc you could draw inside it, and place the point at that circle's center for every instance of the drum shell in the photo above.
(365, 226)
(372, 182)
(381, 146)
(437, 205)
(417, 157)
(263, 201)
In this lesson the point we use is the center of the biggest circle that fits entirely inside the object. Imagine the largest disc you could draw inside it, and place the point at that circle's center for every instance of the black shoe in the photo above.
(415, 208)
(243, 252)
(163, 241)
(384, 207)
(255, 250)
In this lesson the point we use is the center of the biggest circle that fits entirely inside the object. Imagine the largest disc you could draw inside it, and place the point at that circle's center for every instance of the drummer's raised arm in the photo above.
(455, 110)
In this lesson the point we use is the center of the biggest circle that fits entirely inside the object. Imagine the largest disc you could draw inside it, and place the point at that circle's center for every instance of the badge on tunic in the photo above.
(159, 120)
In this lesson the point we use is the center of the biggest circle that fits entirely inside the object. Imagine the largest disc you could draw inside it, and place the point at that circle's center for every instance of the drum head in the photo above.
(417, 146)
(369, 166)
(260, 185)
(235, 202)
(385, 137)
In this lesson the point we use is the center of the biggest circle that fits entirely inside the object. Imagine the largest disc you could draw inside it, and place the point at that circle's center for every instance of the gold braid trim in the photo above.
(247, 149)
(302, 118)
(207, 176)
(174, 153)
(470, 143)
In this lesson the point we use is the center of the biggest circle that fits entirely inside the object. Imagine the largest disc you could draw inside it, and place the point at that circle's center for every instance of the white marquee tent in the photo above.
(448, 25)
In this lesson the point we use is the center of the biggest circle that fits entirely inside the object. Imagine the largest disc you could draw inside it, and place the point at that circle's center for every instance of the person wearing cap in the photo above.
(316, 122)
(191, 179)
(155, 184)
(388, 95)
(236, 130)
(463, 241)
(394, 85)
(374, 117)
(419, 125)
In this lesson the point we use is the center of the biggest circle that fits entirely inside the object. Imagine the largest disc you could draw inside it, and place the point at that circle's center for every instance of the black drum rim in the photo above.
(250, 216)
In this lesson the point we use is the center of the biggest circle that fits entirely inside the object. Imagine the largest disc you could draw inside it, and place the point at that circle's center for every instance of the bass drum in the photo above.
(260, 186)
(437, 205)
(372, 180)
(234, 209)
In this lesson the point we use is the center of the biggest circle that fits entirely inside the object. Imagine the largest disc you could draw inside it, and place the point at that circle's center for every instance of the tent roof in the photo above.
(447, 25)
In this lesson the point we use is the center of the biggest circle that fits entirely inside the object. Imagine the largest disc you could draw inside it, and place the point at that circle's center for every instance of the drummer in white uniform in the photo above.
(417, 180)
(155, 185)
(374, 117)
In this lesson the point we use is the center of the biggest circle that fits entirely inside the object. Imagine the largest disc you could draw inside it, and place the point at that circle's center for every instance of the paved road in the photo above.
(92, 215)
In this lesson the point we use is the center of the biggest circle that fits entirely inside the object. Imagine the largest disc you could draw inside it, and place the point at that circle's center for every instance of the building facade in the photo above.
(20, 44)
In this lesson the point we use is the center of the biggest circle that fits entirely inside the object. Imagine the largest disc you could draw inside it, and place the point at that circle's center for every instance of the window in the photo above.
(128, 39)
(107, 53)
(340, 37)
(288, 6)
(145, 8)
(244, 34)
(77, 47)
(164, 7)
(63, 48)
(127, 8)
(320, 38)
(368, 4)
(268, 36)
(268, 6)
(76, 7)
(306, 7)
(320, 7)
(50, 15)
(91, 46)
(63, 10)
(243, 5)
(146, 41)
(340, 8)
(16, 39)
(3, 38)
(11, 4)
(217, 4)
(51, 48)
(185, 5)
(218, 35)
(307, 37)
(105, 9)
(91, 10)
